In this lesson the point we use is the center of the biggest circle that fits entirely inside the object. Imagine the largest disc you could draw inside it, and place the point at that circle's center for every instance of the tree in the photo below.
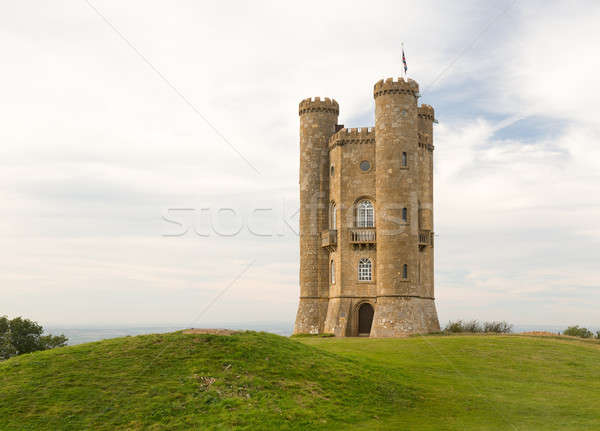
(18, 336)
(25, 335)
(576, 331)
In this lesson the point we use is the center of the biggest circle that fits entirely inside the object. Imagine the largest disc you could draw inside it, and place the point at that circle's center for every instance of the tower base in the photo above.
(402, 316)
(311, 316)
(338, 315)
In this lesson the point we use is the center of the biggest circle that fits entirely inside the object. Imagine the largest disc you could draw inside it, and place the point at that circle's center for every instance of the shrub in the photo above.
(474, 326)
(576, 331)
(454, 327)
(598, 335)
(498, 327)
(463, 326)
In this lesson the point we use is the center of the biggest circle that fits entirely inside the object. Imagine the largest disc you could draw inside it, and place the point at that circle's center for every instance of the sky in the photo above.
(149, 152)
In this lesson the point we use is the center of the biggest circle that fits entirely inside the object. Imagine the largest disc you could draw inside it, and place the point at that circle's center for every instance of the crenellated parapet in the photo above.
(426, 112)
(396, 86)
(315, 104)
(360, 135)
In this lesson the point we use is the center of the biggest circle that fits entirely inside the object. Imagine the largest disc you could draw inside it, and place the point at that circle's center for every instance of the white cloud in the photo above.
(95, 147)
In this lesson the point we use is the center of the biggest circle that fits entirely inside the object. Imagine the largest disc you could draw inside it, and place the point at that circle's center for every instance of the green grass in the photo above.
(260, 381)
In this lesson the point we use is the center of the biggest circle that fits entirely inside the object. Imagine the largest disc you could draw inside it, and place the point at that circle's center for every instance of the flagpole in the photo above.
(403, 72)
(403, 62)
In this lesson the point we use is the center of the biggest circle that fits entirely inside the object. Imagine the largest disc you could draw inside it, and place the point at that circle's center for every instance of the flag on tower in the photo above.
(404, 60)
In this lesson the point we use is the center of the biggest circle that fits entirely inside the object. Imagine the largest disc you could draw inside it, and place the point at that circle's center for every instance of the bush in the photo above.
(454, 327)
(576, 331)
(497, 327)
(18, 336)
(463, 326)
(474, 326)
(598, 335)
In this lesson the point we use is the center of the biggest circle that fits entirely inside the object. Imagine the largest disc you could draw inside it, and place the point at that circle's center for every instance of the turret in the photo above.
(426, 117)
(425, 140)
(400, 309)
(395, 158)
(318, 119)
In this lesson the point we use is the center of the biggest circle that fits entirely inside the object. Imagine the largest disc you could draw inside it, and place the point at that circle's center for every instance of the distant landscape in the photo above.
(78, 334)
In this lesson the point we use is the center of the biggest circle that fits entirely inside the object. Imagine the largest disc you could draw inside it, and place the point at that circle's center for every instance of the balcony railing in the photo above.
(425, 238)
(362, 235)
(329, 238)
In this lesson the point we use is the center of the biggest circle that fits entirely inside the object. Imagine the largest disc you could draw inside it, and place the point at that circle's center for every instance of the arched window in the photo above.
(405, 271)
(365, 214)
(332, 272)
(332, 216)
(404, 214)
(365, 272)
(404, 160)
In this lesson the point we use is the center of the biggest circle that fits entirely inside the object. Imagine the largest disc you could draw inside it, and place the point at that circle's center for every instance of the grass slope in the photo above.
(263, 381)
(487, 382)
(161, 382)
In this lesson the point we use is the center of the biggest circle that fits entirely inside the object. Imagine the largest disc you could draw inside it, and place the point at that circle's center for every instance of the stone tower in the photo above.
(366, 218)
(318, 119)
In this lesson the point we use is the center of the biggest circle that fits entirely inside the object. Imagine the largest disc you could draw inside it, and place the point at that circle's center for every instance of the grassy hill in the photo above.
(262, 381)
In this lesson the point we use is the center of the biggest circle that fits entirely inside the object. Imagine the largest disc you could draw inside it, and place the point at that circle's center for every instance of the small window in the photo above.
(332, 272)
(404, 214)
(332, 216)
(331, 170)
(365, 165)
(365, 214)
(404, 160)
(365, 272)
(405, 271)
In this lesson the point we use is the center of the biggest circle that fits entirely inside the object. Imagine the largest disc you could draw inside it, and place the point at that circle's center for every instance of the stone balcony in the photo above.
(362, 235)
(329, 239)
(425, 238)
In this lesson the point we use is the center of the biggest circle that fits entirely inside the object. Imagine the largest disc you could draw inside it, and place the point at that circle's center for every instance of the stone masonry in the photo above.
(366, 218)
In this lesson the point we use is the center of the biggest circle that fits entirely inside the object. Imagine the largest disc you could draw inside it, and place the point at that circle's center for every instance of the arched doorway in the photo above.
(365, 319)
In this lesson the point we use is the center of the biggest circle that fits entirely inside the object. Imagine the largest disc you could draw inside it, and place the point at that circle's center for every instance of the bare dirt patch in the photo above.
(213, 331)
(541, 333)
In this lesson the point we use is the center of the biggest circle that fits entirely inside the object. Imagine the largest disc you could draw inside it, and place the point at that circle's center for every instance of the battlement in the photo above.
(426, 112)
(315, 104)
(395, 86)
(360, 135)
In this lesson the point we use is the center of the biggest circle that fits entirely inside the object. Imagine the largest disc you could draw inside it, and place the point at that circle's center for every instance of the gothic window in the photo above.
(365, 272)
(332, 272)
(332, 216)
(404, 214)
(404, 160)
(365, 214)
(405, 271)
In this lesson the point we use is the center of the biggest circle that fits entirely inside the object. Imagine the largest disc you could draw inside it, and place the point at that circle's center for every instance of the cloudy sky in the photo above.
(119, 116)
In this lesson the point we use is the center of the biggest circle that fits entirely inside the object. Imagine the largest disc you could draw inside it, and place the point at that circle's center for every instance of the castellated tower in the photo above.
(318, 119)
(366, 218)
